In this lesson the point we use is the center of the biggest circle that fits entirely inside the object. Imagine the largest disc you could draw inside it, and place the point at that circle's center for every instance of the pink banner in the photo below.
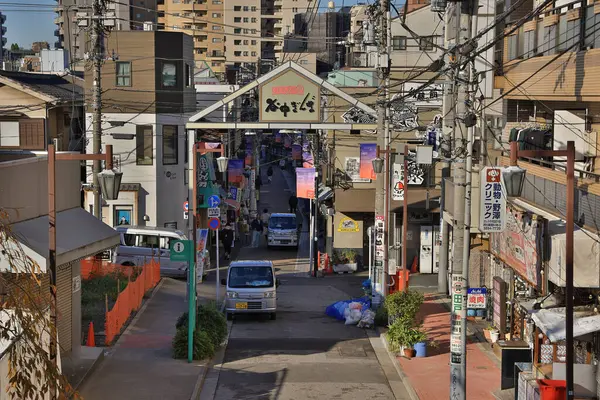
(296, 152)
(305, 183)
(368, 152)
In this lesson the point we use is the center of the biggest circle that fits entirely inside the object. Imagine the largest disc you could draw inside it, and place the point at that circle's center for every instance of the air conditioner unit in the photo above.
(357, 63)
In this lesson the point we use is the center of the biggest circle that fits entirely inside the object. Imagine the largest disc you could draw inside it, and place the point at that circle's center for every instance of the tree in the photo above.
(25, 309)
(14, 47)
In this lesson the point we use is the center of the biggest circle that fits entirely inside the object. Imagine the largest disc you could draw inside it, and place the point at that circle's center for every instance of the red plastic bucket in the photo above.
(551, 389)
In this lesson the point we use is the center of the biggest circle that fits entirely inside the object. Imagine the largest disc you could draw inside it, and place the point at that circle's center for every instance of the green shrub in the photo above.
(209, 320)
(381, 316)
(203, 345)
(404, 305)
(403, 334)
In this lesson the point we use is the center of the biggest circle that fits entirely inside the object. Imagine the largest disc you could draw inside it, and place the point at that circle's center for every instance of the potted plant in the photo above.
(494, 335)
(403, 335)
(345, 260)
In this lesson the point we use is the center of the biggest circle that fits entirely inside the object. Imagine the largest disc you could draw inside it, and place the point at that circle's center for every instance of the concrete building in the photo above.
(204, 22)
(2, 37)
(149, 94)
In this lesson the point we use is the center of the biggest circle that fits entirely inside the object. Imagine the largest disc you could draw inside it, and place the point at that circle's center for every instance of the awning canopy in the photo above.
(552, 323)
(78, 235)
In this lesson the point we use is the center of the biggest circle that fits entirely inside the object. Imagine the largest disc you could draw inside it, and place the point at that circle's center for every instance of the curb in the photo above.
(89, 372)
(409, 388)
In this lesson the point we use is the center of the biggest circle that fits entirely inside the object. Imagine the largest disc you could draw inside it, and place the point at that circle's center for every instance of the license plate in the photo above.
(276, 241)
(241, 306)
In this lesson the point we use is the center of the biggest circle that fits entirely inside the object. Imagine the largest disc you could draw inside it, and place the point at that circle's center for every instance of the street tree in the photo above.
(25, 324)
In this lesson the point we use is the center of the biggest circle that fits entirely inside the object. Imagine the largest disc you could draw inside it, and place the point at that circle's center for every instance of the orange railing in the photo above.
(130, 300)
(91, 267)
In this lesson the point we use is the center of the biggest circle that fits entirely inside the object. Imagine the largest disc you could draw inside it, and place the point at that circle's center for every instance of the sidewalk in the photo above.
(140, 365)
(483, 374)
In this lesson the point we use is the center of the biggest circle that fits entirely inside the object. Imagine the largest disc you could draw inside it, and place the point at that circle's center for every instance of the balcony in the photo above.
(59, 20)
(57, 32)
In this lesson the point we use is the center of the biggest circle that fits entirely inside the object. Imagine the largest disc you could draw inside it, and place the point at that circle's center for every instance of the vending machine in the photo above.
(426, 250)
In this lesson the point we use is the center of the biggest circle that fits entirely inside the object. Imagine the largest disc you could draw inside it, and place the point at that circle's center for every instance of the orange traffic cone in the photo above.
(91, 338)
(414, 267)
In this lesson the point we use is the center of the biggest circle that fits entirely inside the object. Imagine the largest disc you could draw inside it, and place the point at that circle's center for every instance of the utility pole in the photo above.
(383, 60)
(97, 57)
(463, 137)
(317, 163)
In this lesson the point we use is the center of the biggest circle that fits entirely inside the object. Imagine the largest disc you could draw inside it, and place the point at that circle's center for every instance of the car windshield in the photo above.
(282, 223)
(250, 277)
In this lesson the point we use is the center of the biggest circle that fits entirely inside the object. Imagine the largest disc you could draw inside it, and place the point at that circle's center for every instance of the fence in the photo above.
(92, 267)
(130, 300)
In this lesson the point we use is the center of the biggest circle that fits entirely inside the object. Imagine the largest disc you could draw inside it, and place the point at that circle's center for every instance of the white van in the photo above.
(283, 230)
(139, 244)
(251, 288)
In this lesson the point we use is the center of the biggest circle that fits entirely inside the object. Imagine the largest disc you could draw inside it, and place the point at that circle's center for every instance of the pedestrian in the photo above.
(257, 185)
(282, 163)
(227, 234)
(245, 229)
(270, 174)
(244, 212)
(264, 218)
(293, 202)
(257, 227)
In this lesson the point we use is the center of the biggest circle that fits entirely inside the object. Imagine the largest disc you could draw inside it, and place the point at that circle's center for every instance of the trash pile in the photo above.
(353, 312)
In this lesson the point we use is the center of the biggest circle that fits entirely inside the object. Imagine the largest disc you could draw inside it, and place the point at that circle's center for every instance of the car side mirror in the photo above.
(223, 281)
(277, 282)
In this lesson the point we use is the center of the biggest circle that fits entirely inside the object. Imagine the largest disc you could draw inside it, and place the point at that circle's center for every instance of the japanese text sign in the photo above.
(290, 97)
(477, 298)
(492, 214)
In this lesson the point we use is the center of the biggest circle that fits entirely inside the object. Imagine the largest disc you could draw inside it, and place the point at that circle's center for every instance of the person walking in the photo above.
(264, 219)
(257, 228)
(228, 237)
(270, 174)
(293, 202)
(257, 185)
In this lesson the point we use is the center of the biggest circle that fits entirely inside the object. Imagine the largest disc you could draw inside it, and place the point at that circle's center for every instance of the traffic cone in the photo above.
(414, 267)
(91, 338)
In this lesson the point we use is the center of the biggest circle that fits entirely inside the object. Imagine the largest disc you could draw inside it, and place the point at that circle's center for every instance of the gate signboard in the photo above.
(290, 97)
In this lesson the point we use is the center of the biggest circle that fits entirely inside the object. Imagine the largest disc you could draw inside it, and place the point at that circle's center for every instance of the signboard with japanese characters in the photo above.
(290, 97)
(477, 298)
(416, 95)
(492, 214)
(416, 176)
(379, 237)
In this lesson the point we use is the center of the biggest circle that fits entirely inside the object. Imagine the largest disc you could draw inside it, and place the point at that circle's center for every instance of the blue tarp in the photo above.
(336, 310)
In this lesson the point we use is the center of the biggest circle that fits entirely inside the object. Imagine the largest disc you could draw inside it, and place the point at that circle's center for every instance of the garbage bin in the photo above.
(551, 389)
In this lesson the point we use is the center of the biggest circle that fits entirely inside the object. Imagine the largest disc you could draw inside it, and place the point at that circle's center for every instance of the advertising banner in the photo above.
(305, 183)
(492, 213)
(278, 137)
(249, 150)
(235, 169)
(368, 152)
(287, 141)
(296, 152)
(201, 255)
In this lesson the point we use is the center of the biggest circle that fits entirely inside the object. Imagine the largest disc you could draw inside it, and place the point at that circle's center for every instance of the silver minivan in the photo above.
(251, 288)
(140, 244)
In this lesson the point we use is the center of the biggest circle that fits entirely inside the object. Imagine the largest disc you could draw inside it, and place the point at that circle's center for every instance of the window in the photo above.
(550, 33)
(399, 42)
(169, 75)
(148, 241)
(246, 8)
(237, 42)
(513, 47)
(294, 9)
(253, 54)
(246, 31)
(217, 40)
(188, 75)
(237, 30)
(216, 15)
(246, 20)
(9, 134)
(253, 43)
(426, 43)
(237, 19)
(237, 53)
(170, 145)
(216, 28)
(253, 31)
(253, 8)
(123, 73)
(237, 8)
(245, 42)
(253, 19)
(245, 54)
(217, 2)
(144, 145)
(529, 44)
(122, 216)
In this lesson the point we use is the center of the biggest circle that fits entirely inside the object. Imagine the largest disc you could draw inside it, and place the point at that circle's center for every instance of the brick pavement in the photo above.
(430, 376)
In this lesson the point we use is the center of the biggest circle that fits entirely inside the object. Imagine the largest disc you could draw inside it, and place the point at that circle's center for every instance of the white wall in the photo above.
(207, 95)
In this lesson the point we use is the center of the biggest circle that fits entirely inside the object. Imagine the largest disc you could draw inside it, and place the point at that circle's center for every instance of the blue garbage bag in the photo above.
(366, 283)
(336, 310)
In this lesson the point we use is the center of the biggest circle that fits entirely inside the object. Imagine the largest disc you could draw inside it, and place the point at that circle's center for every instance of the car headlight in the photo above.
(269, 295)
(232, 295)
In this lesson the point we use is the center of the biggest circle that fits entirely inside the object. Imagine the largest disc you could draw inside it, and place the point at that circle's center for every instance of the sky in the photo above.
(29, 21)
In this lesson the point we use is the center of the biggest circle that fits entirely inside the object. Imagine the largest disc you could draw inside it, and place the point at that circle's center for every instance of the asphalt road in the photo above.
(304, 354)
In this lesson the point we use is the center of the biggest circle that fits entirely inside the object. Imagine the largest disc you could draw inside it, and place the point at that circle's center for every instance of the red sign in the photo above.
(288, 90)
(493, 175)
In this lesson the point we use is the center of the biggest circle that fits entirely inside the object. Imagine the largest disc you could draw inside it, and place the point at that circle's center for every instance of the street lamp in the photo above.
(378, 165)
(110, 183)
(222, 164)
(514, 177)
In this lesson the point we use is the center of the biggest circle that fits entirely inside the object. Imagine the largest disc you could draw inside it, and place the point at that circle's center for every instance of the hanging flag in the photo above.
(278, 137)
(368, 152)
(297, 152)
(287, 141)
(305, 183)
(235, 170)
(249, 150)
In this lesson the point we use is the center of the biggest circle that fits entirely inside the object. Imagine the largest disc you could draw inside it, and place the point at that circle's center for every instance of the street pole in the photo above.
(405, 221)
(461, 236)
(52, 261)
(315, 249)
(97, 101)
(218, 274)
(382, 106)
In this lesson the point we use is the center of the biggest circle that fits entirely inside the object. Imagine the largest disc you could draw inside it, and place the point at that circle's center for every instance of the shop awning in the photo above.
(233, 204)
(78, 235)
(552, 323)
(586, 257)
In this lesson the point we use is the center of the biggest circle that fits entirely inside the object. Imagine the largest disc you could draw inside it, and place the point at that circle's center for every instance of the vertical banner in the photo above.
(368, 152)
(205, 175)
(398, 182)
(249, 150)
(492, 212)
(305, 183)
(287, 141)
(201, 257)
(235, 170)
(278, 137)
(296, 152)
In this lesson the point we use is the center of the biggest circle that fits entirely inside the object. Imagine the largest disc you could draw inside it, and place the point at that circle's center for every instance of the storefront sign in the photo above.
(379, 238)
(419, 97)
(368, 152)
(290, 97)
(492, 214)
(416, 176)
(305, 183)
(519, 245)
(205, 175)
(476, 298)
(348, 225)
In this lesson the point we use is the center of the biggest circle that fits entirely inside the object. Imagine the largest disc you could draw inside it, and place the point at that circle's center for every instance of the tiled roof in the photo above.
(51, 85)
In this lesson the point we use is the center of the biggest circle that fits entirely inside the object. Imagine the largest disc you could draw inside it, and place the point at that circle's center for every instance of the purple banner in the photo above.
(368, 152)
(249, 150)
(305, 183)
(235, 169)
(296, 152)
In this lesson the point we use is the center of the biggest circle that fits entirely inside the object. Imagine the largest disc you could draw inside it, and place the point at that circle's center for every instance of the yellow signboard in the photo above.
(290, 97)
(348, 225)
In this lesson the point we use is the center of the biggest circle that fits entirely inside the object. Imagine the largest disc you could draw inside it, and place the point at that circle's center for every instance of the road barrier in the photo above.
(130, 300)
(92, 267)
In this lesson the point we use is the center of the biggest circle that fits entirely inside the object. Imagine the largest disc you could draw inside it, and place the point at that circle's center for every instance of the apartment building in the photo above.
(202, 20)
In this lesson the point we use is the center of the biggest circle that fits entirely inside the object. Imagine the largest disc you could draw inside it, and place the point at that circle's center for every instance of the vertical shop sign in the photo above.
(492, 214)
(459, 312)
(379, 237)
(249, 150)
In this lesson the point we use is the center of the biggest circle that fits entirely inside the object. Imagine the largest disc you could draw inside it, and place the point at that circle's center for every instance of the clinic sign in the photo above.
(492, 213)
(290, 97)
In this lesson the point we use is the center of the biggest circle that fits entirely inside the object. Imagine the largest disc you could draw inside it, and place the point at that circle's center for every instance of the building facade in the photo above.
(149, 94)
